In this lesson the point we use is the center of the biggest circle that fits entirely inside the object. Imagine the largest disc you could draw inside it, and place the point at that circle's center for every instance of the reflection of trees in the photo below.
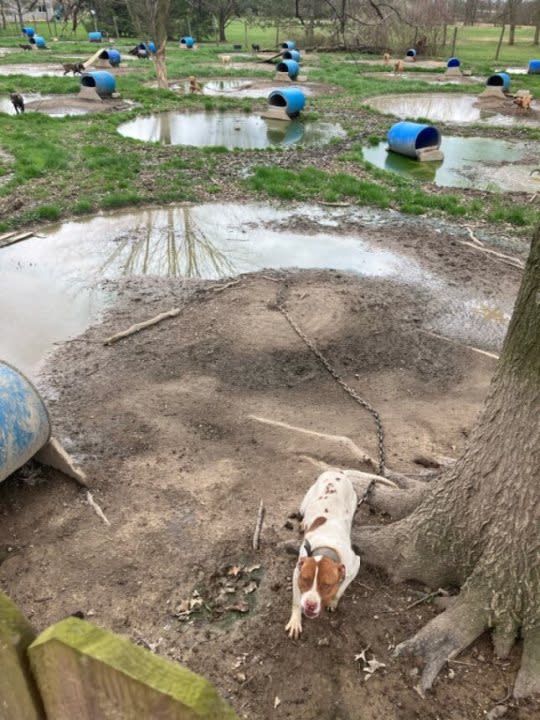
(180, 248)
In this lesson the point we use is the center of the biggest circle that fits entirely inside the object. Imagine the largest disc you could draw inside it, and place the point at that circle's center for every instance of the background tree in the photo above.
(223, 11)
(153, 16)
(478, 525)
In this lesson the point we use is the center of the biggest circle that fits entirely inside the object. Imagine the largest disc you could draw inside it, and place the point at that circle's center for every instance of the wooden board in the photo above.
(86, 673)
(18, 695)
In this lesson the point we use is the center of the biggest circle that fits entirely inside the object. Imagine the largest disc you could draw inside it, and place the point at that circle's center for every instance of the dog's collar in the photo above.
(323, 550)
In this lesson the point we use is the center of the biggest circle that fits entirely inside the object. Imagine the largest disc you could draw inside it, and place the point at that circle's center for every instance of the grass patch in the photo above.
(120, 199)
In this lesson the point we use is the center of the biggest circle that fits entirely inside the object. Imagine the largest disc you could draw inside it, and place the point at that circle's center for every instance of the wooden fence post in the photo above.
(18, 695)
(86, 673)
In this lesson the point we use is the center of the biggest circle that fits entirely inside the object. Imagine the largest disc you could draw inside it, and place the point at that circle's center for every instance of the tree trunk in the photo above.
(222, 21)
(478, 526)
(512, 34)
(161, 67)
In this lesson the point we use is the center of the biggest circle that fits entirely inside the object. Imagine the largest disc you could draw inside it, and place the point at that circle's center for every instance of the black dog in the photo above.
(25, 46)
(255, 48)
(73, 68)
(17, 101)
(139, 52)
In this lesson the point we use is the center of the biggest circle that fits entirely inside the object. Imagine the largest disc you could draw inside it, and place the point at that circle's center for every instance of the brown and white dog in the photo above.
(327, 564)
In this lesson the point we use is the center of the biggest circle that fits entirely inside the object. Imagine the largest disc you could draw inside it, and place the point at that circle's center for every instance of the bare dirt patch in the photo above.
(160, 422)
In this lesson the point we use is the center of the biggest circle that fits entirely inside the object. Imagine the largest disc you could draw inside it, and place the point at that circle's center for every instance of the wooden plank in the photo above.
(7, 235)
(16, 239)
(18, 694)
(87, 673)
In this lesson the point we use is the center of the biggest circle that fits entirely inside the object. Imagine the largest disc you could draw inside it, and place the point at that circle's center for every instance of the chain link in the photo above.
(348, 389)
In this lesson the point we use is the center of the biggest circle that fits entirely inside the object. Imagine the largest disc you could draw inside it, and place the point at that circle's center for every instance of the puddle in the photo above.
(7, 107)
(514, 70)
(230, 130)
(431, 78)
(52, 286)
(427, 64)
(482, 163)
(448, 107)
(32, 70)
(241, 88)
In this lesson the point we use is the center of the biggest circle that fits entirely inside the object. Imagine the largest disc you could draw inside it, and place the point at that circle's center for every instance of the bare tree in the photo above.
(153, 15)
(471, 10)
(478, 525)
(512, 7)
(223, 11)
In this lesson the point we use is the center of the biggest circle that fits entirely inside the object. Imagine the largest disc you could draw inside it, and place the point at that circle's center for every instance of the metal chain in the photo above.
(348, 389)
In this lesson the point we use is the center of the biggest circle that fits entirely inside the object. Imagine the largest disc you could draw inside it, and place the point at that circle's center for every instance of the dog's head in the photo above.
(319, 579)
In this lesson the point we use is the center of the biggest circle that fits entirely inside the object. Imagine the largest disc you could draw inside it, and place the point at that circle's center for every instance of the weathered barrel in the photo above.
(112, 55)
(28, 31)
(40, 41)
(291, 67)
(407, 138)
(499, 80)
(102, 81)
(25, 426)
(95, 36)
(291, 55)
(284, 133)
(292, 100)
(152, 46)
(534, 67)
(288, 45)
(453, 62)
(188, 41)
(411, 52)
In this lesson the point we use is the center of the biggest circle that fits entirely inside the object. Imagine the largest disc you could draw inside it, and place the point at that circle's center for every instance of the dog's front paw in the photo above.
(294, 627)
(332, 607)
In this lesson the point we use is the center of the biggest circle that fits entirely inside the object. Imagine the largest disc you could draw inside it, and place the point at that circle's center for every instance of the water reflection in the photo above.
(230, 130)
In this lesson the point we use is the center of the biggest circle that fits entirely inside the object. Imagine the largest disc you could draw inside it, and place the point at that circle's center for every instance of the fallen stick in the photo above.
(7, 235)
(335, 204)
(473, 236)
(142, 325)
(258, 526)
(505, 258)
(338, 439)
(93, 504)
(16, 239)
(456, 342)
(532, 198)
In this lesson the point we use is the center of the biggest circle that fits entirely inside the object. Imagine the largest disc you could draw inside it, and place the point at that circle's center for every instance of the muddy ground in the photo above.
(161, 424)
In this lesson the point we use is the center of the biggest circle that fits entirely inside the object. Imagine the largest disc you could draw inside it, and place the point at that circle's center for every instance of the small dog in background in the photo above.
(73, 68)
(225, 59)
(17, 101)
(255, 48)
(398, 67)
(25, 46)
(327, 563)
(386, 58)
(194, 85)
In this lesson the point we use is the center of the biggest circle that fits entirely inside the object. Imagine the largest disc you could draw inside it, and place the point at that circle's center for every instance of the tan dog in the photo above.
(194, 85)
(225, 59)
(398, 67)
(386, 58)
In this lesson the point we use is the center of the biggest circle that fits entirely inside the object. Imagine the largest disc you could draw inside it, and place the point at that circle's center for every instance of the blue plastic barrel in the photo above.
(291, 67)
(113, 56)
(152, 46)
(453, 62)
(291, 55)
(102, 81)
(288, 45)
(284, 133)
(406, 138)
(292, 100)
(188, 41)
(499, 80)
(40, 41)
(533, 67)
(25, 426)
(29, 31)
(95, 36)
(411, 53)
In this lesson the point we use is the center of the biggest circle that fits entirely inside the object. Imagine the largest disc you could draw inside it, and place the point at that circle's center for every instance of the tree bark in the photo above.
(478, 526)
(161, 67)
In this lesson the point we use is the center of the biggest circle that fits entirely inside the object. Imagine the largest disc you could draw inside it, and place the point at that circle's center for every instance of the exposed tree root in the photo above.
(445, 637)
(528, 678)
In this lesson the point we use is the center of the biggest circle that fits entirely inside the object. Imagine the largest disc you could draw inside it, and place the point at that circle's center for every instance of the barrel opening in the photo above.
(454, 62)
(104, 55)
(495, 81)
(282, 67)
(277, 100)
(88, 81)
(428, 137)
(411, 53)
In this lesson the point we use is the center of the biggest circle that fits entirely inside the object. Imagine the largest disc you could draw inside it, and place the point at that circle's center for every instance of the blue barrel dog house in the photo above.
(152, 47)
(39, 41)
(103, 82)
(453, 62)
(500, 80)
(95, 36)
(411, 53)
(288, 45)
(28, 31)
(113, 56)
(410, 139)
(25, 426)
(187, 41)
(291, 67)
(291, 55)
(534, 67)
(291, 100)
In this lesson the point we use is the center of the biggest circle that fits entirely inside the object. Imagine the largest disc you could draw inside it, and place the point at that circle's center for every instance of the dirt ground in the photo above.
(161, 424)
